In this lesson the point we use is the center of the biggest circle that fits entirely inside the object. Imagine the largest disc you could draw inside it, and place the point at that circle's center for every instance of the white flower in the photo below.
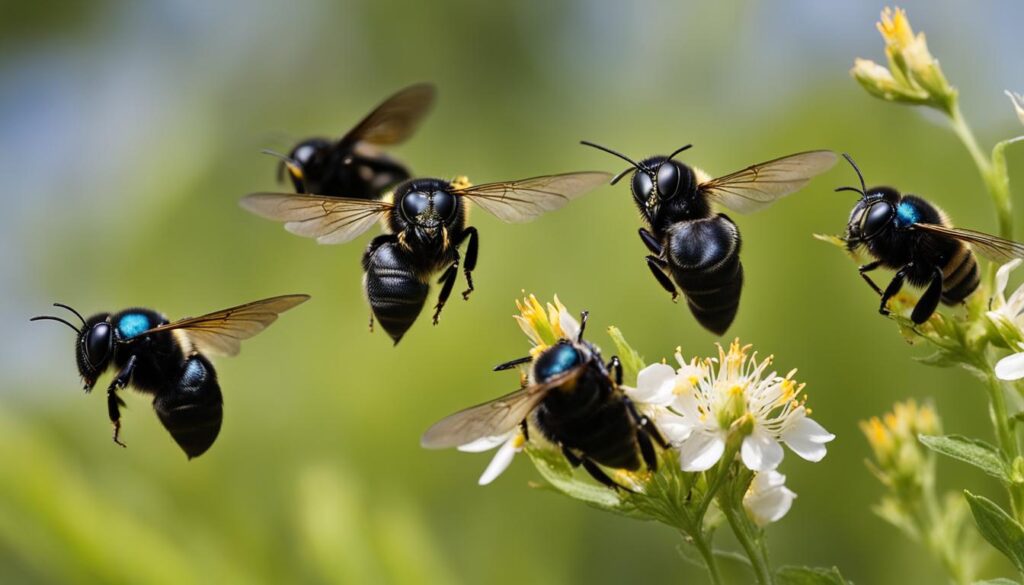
(1007, 315)
(696, 406)
(1018, 104)
(768, 499)
(511, 443)
(545, 327)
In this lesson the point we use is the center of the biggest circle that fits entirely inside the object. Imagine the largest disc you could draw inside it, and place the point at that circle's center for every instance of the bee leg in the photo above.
(114, 402)
(615, 365)
(651, 242)
(868, 268)
(893, 288)
(472, 248)
(525, 428)
(570, 457)
(447, 282)
(647, 451)
(646, 425)
(928, 302)
(658, 266)
(602, 477)
(512, 363)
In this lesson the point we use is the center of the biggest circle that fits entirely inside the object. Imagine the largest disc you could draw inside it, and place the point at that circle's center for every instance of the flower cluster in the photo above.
(1007, 317)
(713, 411)
(913, 75)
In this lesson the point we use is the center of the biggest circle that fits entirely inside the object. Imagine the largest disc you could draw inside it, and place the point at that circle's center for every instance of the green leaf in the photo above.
(999, 581)
(973, 451)
(998, 528)
(809, 576)
(559, 474)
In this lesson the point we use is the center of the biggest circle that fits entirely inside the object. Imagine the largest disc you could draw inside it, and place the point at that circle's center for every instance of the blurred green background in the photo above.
(128, 131)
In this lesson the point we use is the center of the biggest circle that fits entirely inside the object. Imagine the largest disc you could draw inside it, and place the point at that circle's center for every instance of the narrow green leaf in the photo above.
(973, 451)
(998, 528)
(809, 576)
(999, 581)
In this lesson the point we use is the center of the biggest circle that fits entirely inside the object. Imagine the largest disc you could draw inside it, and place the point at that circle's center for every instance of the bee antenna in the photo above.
(77, 314)
(618, 177)
(58, 319)
(863, 187)
(275, 154)
(854, 189)
(677, 151)
(583, 325)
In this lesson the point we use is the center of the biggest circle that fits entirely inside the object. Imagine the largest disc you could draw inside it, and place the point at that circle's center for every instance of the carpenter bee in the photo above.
(425, 223)
(915, 238)
(575, 400)
(698, 248)
(169, 361)
(352, 166)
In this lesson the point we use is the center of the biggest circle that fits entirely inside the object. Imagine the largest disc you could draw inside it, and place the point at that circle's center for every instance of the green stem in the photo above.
(1005, 438)
(751, 542)
(704, 548)
(731, 447)
(995, 179)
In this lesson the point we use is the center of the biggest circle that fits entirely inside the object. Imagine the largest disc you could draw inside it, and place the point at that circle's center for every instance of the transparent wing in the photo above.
(331, 220)
(757, 186)
(521, 201)
(992, 247)
(222, 332)
(396, 118)
(493, 418)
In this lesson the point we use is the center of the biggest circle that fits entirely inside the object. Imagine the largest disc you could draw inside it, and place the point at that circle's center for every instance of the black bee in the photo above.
(168, 360)
(576, 402)
(915, 238)
(351, 166)
(425, 223)
(700, 249)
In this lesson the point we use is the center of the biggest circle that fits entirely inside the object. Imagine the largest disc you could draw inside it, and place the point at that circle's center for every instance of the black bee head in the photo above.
(307, 161)
(656, 180)
(427, 204)
(873, 214)
(94, 343)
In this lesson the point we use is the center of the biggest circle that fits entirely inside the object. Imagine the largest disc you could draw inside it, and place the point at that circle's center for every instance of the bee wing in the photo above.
(222, 332)
(992, 247)
(527, 199)
(492, 418)
(331, 220)
(396, 118)
(757, 186)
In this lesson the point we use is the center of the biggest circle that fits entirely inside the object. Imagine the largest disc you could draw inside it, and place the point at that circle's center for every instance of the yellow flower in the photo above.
(545, 327)
(913, 75)
(900, 461)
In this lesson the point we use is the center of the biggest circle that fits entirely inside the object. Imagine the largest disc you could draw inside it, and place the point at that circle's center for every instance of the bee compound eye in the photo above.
(668, 180)
(414, 203)
(98, 343)
(642, 185)
(444, 204)
(876, 218)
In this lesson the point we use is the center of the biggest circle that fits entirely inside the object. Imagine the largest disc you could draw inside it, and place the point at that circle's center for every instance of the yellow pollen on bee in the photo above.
(461, 182)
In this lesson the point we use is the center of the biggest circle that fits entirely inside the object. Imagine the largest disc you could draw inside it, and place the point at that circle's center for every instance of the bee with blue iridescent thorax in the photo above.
(689, 242)
(915, 238)
(425, 224)
(352, 166)
(575, 400)
(169, 361)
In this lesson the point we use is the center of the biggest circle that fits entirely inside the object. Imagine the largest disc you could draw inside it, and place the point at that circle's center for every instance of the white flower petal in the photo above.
(484, 444)
(655, 384)
(1011, 367)
(768, 498)
(673, 427)
(701, 451)
(1003, 277)
(502, 459)
(570, 326)
(807, 439)
(761, 452)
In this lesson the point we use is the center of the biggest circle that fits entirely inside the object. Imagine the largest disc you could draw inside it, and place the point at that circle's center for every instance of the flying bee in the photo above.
(915, 238)
(698, 248)
(352, 166)
(425, 224)
(169, 361)
(576, 402)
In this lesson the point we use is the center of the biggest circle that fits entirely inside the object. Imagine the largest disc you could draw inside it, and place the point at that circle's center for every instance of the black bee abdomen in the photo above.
(590, 417)
(191, 407)
(704, 258)
(960, 276)
(395, 292)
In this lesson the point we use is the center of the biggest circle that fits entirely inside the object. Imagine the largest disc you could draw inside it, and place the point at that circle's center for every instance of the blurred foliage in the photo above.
(131, 129)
